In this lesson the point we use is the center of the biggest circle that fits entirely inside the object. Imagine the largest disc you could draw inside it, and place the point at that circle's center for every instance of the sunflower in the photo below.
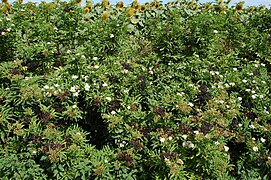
(86, 10)
(105, 4)
(155, 4)
(51, 4)
(239, 6)
(143, 8)
(87, 19)
(120, 5)
(130, 12)
(6, 8)
(191, 3)
(220, 2)
(137, 6)
(105, 15)
(89, 6)
(251, 9)
(78, 2)
(207, 6)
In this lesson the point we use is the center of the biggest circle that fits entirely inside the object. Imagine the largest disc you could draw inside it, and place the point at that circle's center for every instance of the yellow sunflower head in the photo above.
(120, 5)
(137, 6)
(105, 16)
(78, 2)
(251, 9)
(89, 6)
(207, 6)
(155, 4)
(130, 12)
(143, 8)
(239, 6)
(86, 10)
(105, 4)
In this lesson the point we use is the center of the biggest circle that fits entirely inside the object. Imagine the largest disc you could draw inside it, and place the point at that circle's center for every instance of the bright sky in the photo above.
(248, 2)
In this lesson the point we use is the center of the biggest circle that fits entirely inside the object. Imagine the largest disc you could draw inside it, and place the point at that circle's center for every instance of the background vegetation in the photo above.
(175, 91)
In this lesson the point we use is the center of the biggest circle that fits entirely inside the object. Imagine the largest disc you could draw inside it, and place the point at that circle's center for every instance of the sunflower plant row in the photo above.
(139, 91)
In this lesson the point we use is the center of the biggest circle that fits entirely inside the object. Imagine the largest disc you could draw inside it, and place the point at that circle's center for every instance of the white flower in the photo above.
(240, 125)
(253, 139)
(76, 94)
(104, 85)
(125, 71)
(217, 143)
(261, 96)
(162, 139)
(217, 73)
(113, 112)
(254, 81)
(74, 106)
(244, 80)
(34, 152)
(254, 96)
(196, 132)
(180, 94)
(263, 140)
(232, 83)
(69, 51)
(170, 138)
(108, 98)
(235, 69)
(95, 58)
(128, 107)
(87, 87)
(263, 64)
(74, 76)
(56, 85)
(188, 144)
(227, 85)
(212, 72)
(121, 145)
(73, 89)
(46, 87)
(239, 98)
(253, 92)
(226, 148)
(111, 36)
(215, 31)
(251, 126)
(256, 65)
(96, 67)
(86, 77)
(248, 90)
(184, 136)
(191, 104)
(255, 149)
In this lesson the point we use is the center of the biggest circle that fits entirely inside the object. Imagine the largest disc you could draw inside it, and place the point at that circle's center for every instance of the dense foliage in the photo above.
(175, 91)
